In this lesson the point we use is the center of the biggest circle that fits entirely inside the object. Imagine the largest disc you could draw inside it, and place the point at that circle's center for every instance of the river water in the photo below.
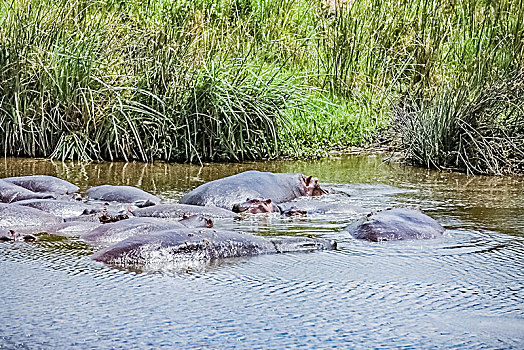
(464, 290)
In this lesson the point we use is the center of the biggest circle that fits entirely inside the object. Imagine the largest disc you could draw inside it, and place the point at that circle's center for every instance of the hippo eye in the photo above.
(256, 200)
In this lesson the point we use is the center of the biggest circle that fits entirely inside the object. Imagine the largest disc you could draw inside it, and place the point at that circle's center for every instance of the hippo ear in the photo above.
(268, 201)
(308, 180)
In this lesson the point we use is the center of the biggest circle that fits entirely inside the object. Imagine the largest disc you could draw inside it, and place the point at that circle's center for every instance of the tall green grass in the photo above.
(476, 129)
(235, 79)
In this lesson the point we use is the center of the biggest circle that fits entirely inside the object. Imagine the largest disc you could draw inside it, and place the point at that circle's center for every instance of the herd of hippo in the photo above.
(132, 228)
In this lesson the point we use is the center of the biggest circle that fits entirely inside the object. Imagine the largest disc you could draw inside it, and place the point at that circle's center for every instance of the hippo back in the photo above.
(10, 192)
(118, 231)
(395, 224)
(62, 208)
(43, 183)
(182, 248)
(224, 193)
(17, 217)
(179, 211)
(122, 194)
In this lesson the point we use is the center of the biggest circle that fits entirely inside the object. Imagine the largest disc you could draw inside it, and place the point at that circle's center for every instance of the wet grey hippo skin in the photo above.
(118, 231)
(321, 207)
(62, 208)
(197, 221)
(194, 247)
(256, 206)
(10, 193)
(12, 236)
(122, 194)
(177, 211)
(19, 218)
(228, 191)
(395, 224)
(260, 205)
(72, 228)
(43, 183)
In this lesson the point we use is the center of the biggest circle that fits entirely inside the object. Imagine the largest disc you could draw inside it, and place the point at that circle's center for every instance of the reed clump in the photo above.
(477, 130)
(241, 79)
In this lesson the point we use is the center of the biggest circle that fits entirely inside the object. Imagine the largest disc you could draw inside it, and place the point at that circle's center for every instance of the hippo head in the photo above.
(312, 187)
(196, 221)
(255, 206)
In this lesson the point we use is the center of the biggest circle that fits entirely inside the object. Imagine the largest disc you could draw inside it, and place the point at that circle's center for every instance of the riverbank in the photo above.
(233, 80)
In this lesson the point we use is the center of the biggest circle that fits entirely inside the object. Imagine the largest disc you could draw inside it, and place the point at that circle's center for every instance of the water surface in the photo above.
(464, 290)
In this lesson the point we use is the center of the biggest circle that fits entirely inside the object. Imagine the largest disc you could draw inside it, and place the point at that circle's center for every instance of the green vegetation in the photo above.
(222, 80)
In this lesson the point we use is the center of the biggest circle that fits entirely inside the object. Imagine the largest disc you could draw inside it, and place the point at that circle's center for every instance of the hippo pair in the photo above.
(390, 224)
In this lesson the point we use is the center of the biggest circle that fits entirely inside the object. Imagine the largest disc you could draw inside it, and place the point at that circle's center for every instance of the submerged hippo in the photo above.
(72, 228)
(183, 248)
(118, 231)
(43, 183)
(395, 224)
(19, 218)
(279, 187)
(122, 194)
(260, 205)
(10, 193)
(12, 236)
(177, 211)
(62, 208)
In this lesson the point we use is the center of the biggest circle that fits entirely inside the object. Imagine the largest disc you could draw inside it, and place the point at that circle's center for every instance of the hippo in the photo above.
(177, 211)
(256, 206)
(43, 183)
(19, 218)
(10, 193)
(395, 224)
(12, 236)
(117, 231)
(72, 228)
(186, 248)
(122, 194)
(260, 205)
(322, 207)
(195, 221)
(228, 191)
(62, 208)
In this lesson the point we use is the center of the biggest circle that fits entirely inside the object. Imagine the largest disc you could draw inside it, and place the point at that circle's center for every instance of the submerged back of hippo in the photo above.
(224, 193)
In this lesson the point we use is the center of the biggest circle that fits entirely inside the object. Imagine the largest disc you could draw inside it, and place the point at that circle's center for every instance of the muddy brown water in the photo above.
(464, 290)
